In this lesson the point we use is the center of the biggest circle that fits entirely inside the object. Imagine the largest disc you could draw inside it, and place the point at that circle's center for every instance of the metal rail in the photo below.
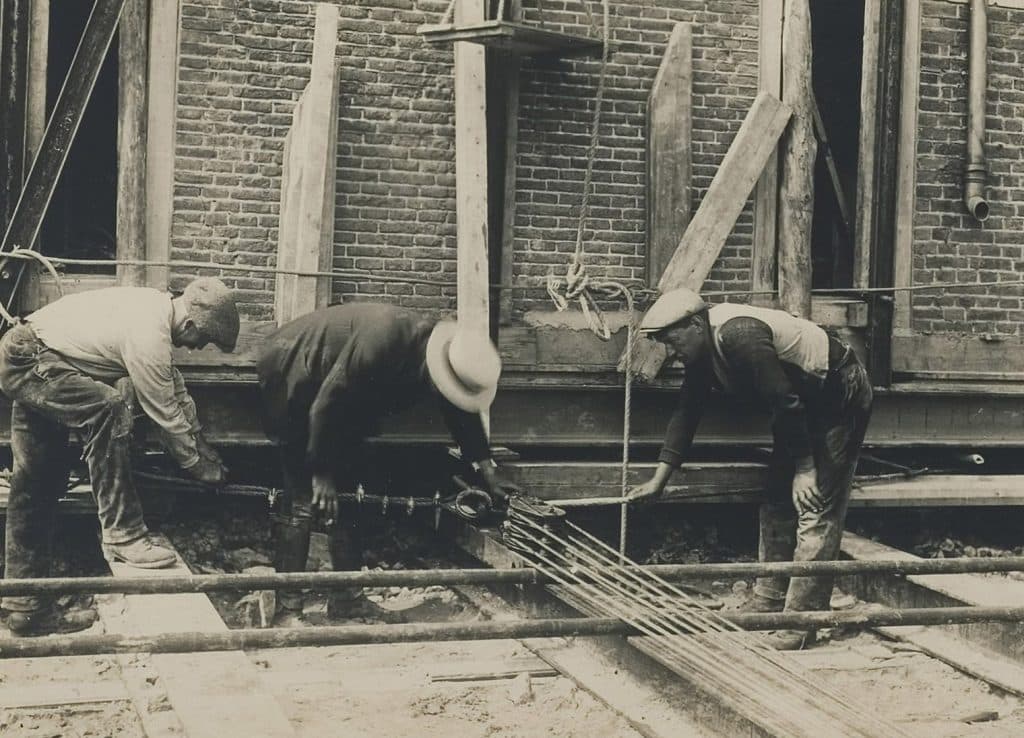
(448, 577)
(345, 635)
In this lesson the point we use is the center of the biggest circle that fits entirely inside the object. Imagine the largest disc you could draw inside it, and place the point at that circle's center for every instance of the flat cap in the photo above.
(670, 308)
(211, 306)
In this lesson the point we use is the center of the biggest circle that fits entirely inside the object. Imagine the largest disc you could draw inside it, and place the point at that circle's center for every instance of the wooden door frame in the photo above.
(155, 158)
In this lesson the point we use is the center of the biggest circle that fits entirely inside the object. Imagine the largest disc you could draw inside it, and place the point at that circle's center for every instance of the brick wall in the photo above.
(949, 245)
(555, 125)
(244, 63)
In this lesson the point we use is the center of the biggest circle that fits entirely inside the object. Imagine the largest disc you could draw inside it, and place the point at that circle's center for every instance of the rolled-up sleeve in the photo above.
(147, 359)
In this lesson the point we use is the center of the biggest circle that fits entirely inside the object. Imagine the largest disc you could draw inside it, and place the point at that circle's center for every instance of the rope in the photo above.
(48, 264)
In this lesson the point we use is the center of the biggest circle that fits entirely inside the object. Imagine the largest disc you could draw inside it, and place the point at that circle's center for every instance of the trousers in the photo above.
(837, 426)
(50, 397)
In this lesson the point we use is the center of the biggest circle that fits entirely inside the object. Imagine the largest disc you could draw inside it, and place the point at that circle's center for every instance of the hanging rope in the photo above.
(20, 253)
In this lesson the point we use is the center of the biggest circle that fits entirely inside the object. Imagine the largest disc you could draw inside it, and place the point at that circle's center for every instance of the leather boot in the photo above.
(291, 551)
(345, 549)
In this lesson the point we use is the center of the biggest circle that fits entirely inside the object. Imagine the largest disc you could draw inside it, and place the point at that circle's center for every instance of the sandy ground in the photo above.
(403, 690)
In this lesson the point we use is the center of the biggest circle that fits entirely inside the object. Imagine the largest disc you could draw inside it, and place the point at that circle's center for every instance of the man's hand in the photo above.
(325, 498)
(649, 491)
(207, 472)
(497, 483)
(806, 495)
(209, 453)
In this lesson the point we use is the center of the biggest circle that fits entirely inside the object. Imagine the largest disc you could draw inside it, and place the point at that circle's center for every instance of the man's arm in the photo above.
(147, 360)
(467, 431)
(682, 427)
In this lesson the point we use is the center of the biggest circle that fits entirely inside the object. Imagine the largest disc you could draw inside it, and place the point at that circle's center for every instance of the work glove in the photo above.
(209, 453)
(207, 471)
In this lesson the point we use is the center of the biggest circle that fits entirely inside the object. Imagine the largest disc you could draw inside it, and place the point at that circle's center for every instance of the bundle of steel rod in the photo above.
(766, 686)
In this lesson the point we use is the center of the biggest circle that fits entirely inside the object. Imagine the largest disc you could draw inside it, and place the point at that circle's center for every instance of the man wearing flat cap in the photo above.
(819, 397)
(83, 362)
(326, 379)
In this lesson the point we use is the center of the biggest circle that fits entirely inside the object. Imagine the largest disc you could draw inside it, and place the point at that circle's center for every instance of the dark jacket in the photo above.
(328, 377)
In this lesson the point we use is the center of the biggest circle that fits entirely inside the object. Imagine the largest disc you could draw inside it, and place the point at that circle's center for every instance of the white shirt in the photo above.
(117, 331)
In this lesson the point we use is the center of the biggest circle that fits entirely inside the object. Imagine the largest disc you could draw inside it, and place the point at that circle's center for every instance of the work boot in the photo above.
(291, 552)
(760, 603)
(789, 640)
(360, 608)
(49, 620)
(141, 553)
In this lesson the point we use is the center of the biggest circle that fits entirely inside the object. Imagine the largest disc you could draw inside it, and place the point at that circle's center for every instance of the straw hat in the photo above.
(463, 365)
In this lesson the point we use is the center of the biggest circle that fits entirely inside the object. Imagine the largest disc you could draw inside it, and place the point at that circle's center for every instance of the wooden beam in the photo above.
(796, 207)
(766, 194)
(669, 123)
(715, 217)
(306, 228)
(471, 174)
(132, 67)
(213, 694)
(906, 176)
(60, 134)
(161, 127)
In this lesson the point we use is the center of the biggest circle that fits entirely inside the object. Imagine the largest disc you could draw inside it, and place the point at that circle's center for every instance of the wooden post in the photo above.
(799, 148)
(508, 215)
(471, 174)
(161, 126)
(669, 119)
(67, 114)
(132, 67)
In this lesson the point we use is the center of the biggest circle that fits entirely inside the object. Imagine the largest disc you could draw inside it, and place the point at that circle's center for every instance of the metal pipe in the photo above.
(351, 635)
(975, 170)
(451, 577)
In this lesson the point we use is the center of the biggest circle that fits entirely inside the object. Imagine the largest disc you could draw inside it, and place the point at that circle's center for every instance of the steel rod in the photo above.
(346, 635)
(444, 577)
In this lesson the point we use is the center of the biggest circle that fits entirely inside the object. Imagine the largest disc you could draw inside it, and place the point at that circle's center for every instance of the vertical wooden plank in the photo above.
(317, 158)
(471, 174)
(325, 256)
(716, 215)
(766, 194)
(907, 174)
(131, 139)
(161, 128)
(505, 300)
(669, 124)
(796, 207)
(866, 148)
(14, 44)
(38, 52)
(288, 222)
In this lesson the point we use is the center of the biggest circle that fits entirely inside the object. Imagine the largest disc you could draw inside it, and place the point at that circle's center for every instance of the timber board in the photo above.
(517, 38)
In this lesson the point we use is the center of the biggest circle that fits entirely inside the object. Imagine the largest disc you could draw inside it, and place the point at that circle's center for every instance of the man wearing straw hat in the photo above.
(819, 397)
(326, 379)
(84, 362)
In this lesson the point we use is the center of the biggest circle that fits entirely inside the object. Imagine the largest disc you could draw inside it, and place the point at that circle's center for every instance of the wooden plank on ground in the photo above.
(212, 694)
(798, 150)
(715, 217)
(55, 693)
(669, 123)
(471, 174)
